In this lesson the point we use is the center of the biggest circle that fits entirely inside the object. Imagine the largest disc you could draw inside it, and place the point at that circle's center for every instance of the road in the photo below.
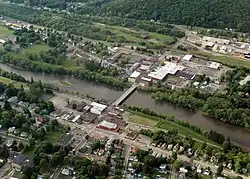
(168, 153)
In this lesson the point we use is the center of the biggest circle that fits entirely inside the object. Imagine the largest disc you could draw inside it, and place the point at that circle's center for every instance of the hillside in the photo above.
(204, 13)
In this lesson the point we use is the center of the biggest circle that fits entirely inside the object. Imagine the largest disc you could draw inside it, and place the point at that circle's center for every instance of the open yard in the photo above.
(15, 83)
(36, 48)
(139, 37)
(157, 123)
(5, 32)
(53, 136)
(142, 120)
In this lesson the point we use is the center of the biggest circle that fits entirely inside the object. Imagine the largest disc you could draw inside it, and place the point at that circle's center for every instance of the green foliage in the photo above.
(222, 14)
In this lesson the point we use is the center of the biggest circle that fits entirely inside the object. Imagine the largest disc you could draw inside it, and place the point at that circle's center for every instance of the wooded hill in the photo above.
(204, 13)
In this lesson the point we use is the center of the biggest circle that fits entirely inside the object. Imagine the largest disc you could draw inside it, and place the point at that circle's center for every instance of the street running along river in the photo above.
(236, 134)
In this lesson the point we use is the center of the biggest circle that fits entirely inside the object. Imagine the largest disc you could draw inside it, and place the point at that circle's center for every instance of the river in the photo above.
(236, 134)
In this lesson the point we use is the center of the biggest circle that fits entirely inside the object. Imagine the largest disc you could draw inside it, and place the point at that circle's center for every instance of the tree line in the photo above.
(209, 14)
(212, 135)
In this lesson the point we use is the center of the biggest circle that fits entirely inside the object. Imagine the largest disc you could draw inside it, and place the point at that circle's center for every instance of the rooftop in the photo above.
(135, 74)
(107, 124)
(214, 65)
(187, 57)
(168, 68)
(216, 40)
(245, 80)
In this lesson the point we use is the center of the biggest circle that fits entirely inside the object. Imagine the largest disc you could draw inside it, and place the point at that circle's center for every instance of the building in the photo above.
(216, 40)
(18, 161)
(97, 108)
(145, 82)
(245, 80)
(108, 126)
(214, 65)
(195, 39)
(188, 57)
(134, 76)
(2, 41)
(168, 68)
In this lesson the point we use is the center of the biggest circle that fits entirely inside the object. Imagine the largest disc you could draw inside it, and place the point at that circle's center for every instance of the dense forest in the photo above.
(210, 14)
(203, 13)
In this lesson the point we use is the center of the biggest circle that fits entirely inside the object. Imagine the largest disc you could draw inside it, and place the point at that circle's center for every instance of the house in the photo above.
(170, 146)
(176, 147)
(11, 129)
(18, 161)
(190, 152)
(10, 142)
(2, 41)
(181, 149)
(24, 134)
(163, 168)
(65, 171)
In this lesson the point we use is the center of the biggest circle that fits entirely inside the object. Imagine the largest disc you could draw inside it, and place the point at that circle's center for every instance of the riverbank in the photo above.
(236, 134)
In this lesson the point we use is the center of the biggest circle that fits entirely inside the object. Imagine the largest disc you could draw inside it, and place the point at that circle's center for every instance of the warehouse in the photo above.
(169, 68)
(108, 126)
(97, 108)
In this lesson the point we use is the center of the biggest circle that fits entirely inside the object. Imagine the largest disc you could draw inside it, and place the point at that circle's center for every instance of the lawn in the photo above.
(5, 32)
(142, 120)
(158, 123)
(17, 175)
(36, 48)
(15, 83)
(53, 136)
(71, 64)
(134, 36)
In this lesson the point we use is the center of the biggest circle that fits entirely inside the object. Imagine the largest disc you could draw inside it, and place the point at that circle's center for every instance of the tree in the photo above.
(66, 160)
(7, 106)
(173, 156)
(226, 146)
(21, 95)
(177, 164)
(204, 145)
(219, 169)
(43, 163)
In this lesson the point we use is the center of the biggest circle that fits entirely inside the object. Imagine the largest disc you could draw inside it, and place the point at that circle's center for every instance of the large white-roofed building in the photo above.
(97, 108)
(169, 68)
(133, 77)
(188, 57)
(216, 40)
(214, 65)
(108, 125)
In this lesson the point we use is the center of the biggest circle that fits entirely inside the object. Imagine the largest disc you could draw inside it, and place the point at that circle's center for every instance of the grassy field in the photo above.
(53, 136)
(223, 59)
(142, 120)
(157, 124)
(5, 32)
(36, 48)
(15, 83)
(134, 36)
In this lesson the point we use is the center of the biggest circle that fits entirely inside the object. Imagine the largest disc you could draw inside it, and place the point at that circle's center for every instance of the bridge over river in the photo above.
(126, 94)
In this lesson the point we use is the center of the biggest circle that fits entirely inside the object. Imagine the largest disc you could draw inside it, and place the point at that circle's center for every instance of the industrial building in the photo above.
(97, 108)
(214, 65)
(216, 40)
(169, 68)
(108, 126)
(145, 82)
(133, 77)
(188, 57)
